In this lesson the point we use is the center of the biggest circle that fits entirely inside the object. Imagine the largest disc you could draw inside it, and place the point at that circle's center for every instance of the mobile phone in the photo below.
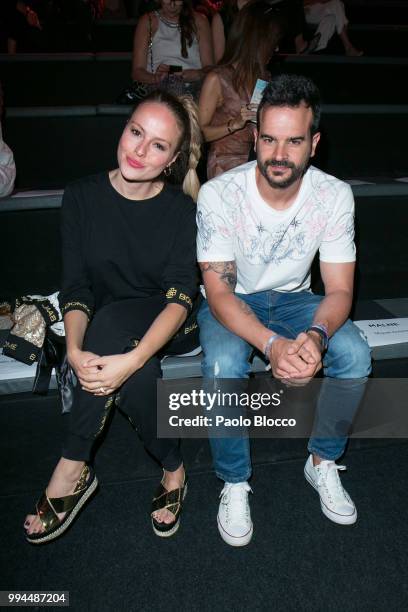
(173, 68)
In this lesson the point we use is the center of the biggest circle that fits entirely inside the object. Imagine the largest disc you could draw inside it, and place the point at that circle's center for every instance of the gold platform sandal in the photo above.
(172, 501)
(48, 508)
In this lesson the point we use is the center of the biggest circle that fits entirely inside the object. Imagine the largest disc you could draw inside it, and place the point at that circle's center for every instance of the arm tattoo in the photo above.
(246, 309)
(226, 269)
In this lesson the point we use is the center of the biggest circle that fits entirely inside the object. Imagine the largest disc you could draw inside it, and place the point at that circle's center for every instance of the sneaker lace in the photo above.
(235, 501)
(329, 479)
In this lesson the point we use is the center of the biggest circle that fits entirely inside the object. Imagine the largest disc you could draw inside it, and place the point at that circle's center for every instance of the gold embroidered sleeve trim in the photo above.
(76, 306)
(175, 295)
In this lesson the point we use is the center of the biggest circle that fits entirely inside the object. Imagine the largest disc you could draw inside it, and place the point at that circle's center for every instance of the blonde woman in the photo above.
(128, 296)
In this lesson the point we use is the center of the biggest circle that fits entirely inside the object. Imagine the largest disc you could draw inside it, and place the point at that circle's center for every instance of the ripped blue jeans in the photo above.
(226, 355)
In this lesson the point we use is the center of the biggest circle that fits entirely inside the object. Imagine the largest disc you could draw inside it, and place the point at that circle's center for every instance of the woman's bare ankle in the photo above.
(66, 473)
(175, 478)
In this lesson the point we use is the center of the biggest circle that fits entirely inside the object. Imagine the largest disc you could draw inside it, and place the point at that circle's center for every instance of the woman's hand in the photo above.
(112, 372)
(78, 360)
(247, 113)
(191, 74)
(162, 71)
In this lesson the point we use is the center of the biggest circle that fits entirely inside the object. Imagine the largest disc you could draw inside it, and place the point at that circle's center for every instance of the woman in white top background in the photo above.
(175, 35)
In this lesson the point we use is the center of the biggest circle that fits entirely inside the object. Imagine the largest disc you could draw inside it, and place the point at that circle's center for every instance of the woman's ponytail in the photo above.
(191, 183)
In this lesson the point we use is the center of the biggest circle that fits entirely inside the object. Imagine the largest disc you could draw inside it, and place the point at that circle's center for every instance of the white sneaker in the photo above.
(336, 503)
(234, 515)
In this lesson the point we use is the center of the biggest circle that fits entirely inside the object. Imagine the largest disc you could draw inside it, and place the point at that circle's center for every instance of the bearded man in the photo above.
(259, 228)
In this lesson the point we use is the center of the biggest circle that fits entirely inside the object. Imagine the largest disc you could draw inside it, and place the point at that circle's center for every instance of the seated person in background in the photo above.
(175, 35)
(293, 15)
(290, 12)
(19, 23)
(329, 16)
(224, 109)
(7, 165)
(221, 24)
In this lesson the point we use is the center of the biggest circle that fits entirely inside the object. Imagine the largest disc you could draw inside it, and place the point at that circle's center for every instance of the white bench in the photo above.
(16, 377)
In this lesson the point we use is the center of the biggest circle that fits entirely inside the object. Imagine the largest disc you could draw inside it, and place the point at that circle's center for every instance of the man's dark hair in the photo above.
(292, 90)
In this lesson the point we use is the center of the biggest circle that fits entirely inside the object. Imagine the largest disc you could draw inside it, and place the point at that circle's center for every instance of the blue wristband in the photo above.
(323, 333)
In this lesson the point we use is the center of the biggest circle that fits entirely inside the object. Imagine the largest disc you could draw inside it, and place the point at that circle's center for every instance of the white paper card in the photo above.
(382, 332)
(258, 91)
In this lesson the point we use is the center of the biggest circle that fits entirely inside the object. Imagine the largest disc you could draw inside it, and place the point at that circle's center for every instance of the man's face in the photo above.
(284, 144)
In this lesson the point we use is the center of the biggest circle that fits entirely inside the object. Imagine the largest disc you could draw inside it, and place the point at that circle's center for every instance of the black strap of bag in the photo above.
(136, 90)
(54, 355)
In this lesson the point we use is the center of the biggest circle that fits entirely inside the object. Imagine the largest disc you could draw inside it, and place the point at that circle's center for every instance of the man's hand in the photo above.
(296, 361)
(285, 362)
(308, 346)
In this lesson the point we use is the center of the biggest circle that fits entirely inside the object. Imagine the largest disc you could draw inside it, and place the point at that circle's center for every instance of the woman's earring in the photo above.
(167, 171)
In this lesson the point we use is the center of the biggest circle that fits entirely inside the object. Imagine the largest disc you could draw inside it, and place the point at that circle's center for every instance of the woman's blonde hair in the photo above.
(191, 183)
(183, 170)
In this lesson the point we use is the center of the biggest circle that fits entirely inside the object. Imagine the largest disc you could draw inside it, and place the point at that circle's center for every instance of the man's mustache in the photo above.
(276, 162)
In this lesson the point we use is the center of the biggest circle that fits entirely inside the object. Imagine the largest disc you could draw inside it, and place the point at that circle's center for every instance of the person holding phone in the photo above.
(225, 110)
(173, 39)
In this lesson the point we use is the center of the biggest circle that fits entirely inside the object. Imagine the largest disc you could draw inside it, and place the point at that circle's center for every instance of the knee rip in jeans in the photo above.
(227, 367)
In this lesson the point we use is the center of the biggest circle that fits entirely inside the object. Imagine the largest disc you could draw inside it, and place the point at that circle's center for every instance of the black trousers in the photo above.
(113, 330)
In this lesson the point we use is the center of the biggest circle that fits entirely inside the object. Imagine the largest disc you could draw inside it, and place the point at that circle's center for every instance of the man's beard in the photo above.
(296, 172)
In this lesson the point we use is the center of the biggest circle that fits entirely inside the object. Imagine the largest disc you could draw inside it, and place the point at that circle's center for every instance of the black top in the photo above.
(114, 248)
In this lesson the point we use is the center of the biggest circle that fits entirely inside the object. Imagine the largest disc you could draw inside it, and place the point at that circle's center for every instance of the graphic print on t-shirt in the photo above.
(270, 246)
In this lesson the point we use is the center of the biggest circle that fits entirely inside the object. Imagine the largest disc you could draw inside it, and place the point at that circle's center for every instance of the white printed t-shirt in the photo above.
(274, 249)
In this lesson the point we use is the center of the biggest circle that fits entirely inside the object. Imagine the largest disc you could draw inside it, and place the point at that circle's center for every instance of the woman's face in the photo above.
(148, 143)
(171, 8)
